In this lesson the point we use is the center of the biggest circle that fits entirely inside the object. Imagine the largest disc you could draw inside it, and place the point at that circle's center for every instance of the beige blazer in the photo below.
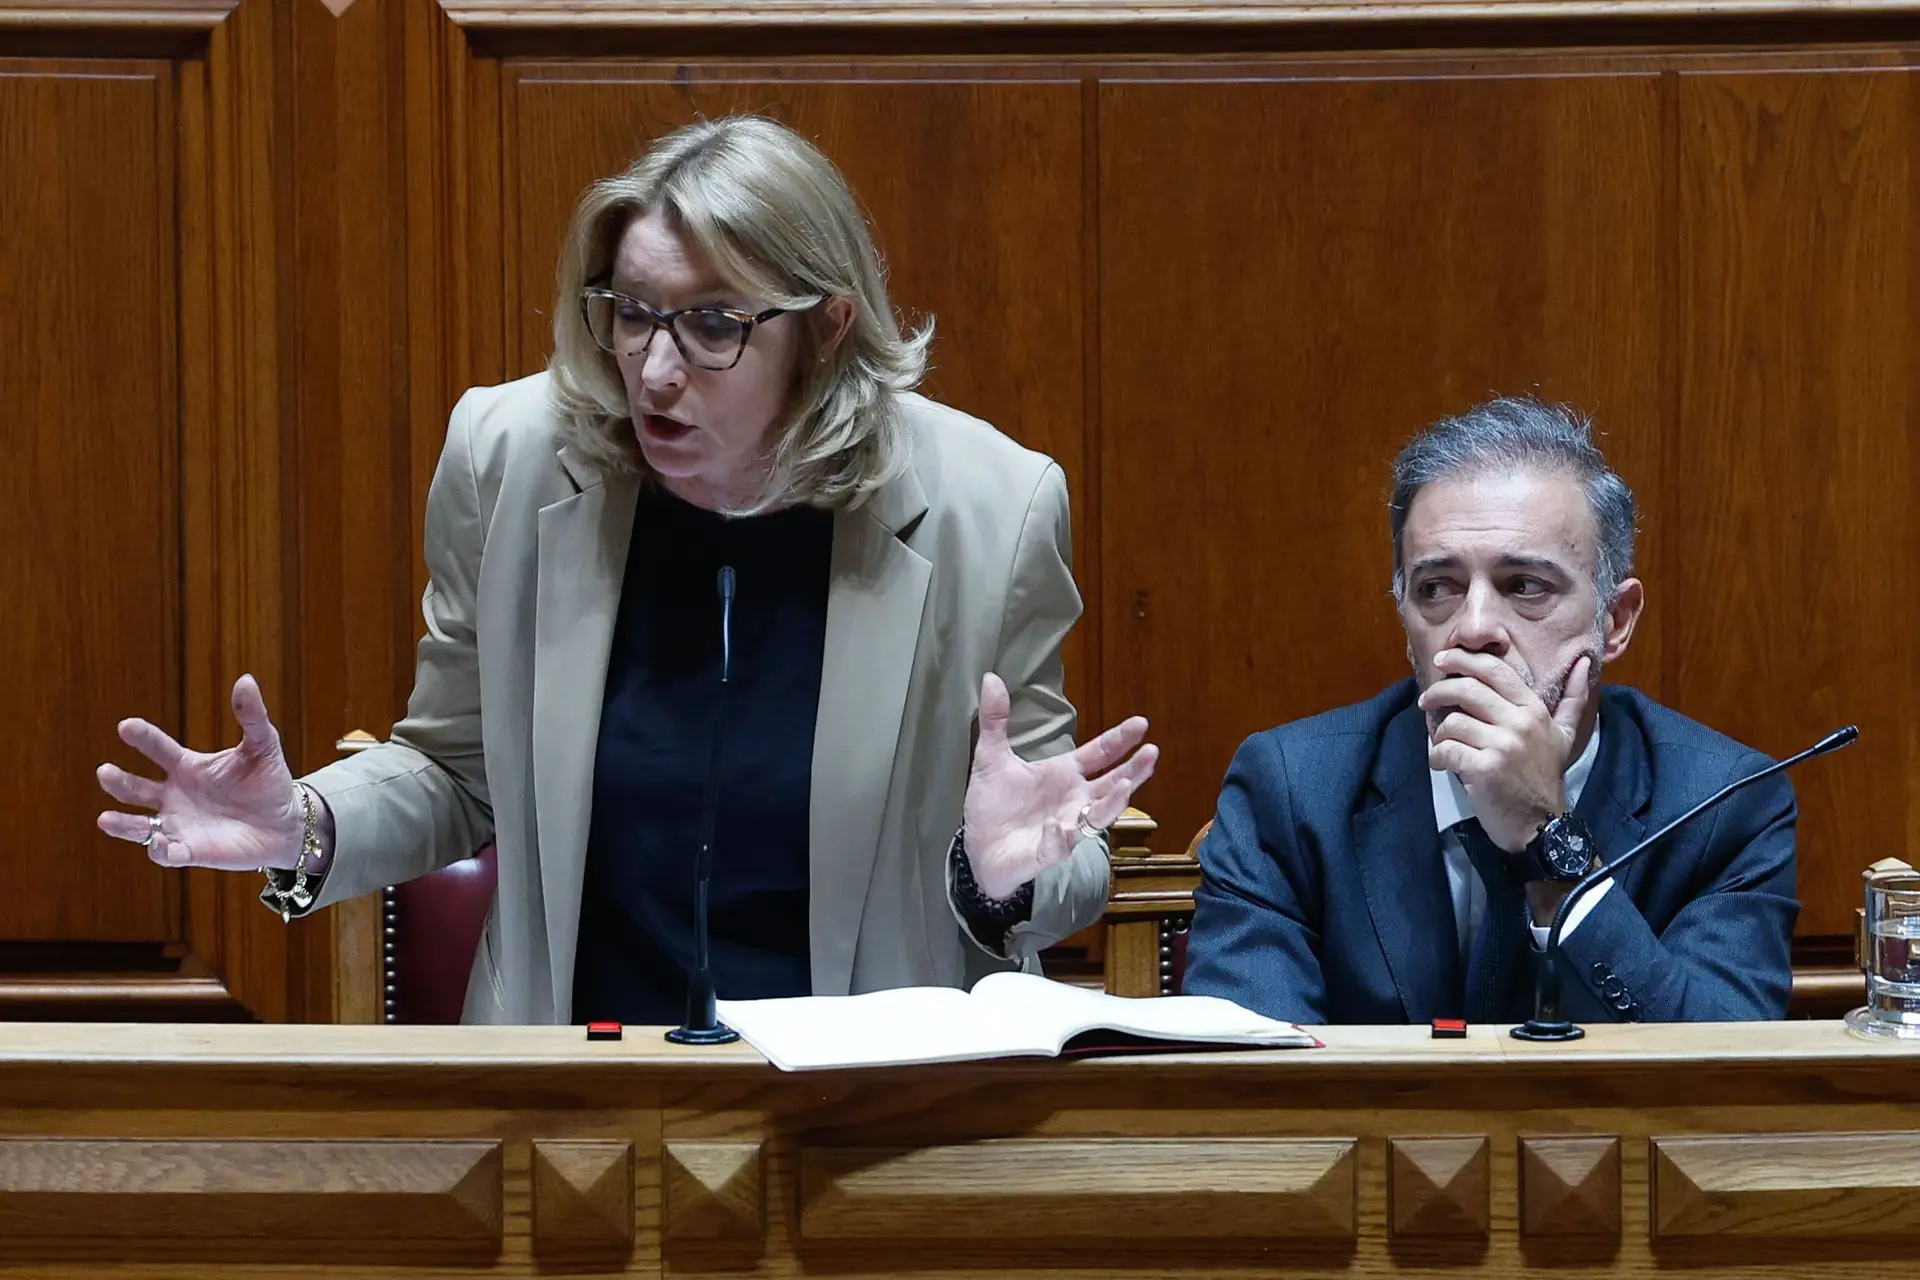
(958, 568)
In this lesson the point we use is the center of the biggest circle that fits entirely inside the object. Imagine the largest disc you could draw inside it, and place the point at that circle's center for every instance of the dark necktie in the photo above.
(1498, 957)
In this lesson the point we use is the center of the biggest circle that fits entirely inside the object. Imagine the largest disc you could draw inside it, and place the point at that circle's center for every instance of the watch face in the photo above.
(1567, 848)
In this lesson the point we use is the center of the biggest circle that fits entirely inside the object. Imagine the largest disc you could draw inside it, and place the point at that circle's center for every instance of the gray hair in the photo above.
(776, 219)
(1520, 433)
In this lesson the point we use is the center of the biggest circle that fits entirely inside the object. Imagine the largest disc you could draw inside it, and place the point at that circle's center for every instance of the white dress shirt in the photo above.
(1452, 807)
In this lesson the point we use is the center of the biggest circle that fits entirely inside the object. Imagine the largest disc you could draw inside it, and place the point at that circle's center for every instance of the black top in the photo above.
(650, 770)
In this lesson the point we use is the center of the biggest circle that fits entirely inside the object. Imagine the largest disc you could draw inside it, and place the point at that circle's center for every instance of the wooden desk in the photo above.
(195, 1151)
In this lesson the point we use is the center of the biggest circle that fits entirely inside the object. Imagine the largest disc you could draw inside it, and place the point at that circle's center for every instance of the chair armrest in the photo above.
(354, 740)
(1151, 899)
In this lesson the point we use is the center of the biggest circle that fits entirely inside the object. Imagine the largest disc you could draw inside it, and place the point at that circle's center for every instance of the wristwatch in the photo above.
(1563, 850)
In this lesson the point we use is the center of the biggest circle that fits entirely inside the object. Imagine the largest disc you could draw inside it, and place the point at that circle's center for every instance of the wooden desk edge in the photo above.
(31, 1046)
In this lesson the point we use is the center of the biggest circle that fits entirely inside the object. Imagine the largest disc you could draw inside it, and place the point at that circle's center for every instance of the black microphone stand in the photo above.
(1548, 1022)
(703, 1025)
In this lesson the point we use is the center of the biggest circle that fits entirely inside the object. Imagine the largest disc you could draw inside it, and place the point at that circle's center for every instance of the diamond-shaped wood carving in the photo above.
(1570, 1186)
(1438, 1186)
(714, 1191)
(583, 1195)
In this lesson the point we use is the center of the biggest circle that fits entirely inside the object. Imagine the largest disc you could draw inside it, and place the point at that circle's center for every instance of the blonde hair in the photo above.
(777, 221)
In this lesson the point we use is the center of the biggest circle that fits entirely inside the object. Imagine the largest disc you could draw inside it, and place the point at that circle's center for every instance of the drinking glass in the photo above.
(1892, 956)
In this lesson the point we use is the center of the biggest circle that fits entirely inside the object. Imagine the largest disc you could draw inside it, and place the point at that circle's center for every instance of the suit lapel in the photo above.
(583, 554)
(1405, 877)
(875, 599)
(1618, 791)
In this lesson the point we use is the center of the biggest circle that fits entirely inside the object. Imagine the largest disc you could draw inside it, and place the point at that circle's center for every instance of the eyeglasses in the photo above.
(708, 337)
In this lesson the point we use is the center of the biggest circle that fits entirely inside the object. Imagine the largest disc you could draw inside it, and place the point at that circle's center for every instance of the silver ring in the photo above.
(153, 832)
(1087, 830)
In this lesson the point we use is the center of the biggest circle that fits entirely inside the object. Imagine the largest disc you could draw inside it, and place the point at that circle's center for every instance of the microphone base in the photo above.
(1536, 1030)
(718, 1033)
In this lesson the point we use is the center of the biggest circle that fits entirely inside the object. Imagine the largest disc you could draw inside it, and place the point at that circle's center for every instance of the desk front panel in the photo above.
(1750, 1151)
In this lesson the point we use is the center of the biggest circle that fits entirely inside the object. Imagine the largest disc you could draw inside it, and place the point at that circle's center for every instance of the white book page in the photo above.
(1062, 1011)
(884, 1028)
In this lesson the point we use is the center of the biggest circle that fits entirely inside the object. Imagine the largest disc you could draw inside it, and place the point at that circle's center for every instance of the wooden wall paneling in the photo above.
(90, 581)
(103, 581)
(1794, 443)
(455, 316)
(199, 675)
(1300, 266)
(947, 28)
(240, 546)
(355, 617)
(191, 436)
(183, 401)
(996, 257)
(425, 204)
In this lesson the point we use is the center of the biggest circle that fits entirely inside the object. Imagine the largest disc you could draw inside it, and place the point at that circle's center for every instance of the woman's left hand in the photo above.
(1024, 816)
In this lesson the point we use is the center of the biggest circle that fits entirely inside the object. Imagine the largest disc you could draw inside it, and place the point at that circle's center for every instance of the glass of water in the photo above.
(1892, 959)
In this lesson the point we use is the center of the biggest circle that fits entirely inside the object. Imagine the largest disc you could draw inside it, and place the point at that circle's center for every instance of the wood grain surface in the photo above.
(1218, 260)
(1212, 1165)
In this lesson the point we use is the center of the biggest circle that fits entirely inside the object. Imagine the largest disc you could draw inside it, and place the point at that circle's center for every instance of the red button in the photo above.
(1449, 1028)
(603, 1031)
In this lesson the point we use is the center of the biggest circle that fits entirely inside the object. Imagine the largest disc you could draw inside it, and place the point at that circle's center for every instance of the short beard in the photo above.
(1555, 689)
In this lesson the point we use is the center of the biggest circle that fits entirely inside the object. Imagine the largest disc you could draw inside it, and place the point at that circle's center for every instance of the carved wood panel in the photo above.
(222, 442)
(1806, 1185)
(1115, 1188)
(210, 1195)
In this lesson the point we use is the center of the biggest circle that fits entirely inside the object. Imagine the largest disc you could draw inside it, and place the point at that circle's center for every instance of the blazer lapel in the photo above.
(1405, 877)
(875, 598)
(1618, 791)
(583, 557)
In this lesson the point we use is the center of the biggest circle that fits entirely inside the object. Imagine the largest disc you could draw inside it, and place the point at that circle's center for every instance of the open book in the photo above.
(1006, 1015)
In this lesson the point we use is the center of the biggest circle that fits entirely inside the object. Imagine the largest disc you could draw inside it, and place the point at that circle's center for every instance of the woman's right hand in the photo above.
(235, 810)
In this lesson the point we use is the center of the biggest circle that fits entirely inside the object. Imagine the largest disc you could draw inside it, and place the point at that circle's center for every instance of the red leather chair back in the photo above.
(432, 930)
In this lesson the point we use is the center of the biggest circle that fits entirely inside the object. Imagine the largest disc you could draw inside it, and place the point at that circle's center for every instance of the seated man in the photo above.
(1383, 862)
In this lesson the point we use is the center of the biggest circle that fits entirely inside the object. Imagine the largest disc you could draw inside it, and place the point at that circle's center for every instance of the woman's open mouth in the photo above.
(661, 427)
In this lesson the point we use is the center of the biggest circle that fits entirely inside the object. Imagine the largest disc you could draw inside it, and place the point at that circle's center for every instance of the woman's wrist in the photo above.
(318, 854)
(323, 831)
(1014, 903)
(321, 856)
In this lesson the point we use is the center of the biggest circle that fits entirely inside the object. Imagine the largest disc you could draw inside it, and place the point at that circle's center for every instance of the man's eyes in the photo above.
(1522, 588)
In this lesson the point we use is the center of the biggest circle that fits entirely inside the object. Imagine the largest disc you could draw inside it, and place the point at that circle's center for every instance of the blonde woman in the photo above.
(899, 798)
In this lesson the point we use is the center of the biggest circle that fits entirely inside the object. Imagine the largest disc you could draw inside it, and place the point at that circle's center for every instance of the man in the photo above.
(1387, 862)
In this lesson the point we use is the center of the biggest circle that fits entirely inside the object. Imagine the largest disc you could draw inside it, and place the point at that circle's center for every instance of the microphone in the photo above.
(1547, 1022)
(703, 1025)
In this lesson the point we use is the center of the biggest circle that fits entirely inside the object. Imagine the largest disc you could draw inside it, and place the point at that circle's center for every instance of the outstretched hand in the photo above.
(1024, 816)
(235, 810)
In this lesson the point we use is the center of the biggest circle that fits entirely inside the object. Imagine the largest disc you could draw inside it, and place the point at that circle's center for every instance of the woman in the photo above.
(889, 561)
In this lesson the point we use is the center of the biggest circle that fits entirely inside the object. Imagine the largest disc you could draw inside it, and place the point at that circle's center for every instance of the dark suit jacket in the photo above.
(1323, 895)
